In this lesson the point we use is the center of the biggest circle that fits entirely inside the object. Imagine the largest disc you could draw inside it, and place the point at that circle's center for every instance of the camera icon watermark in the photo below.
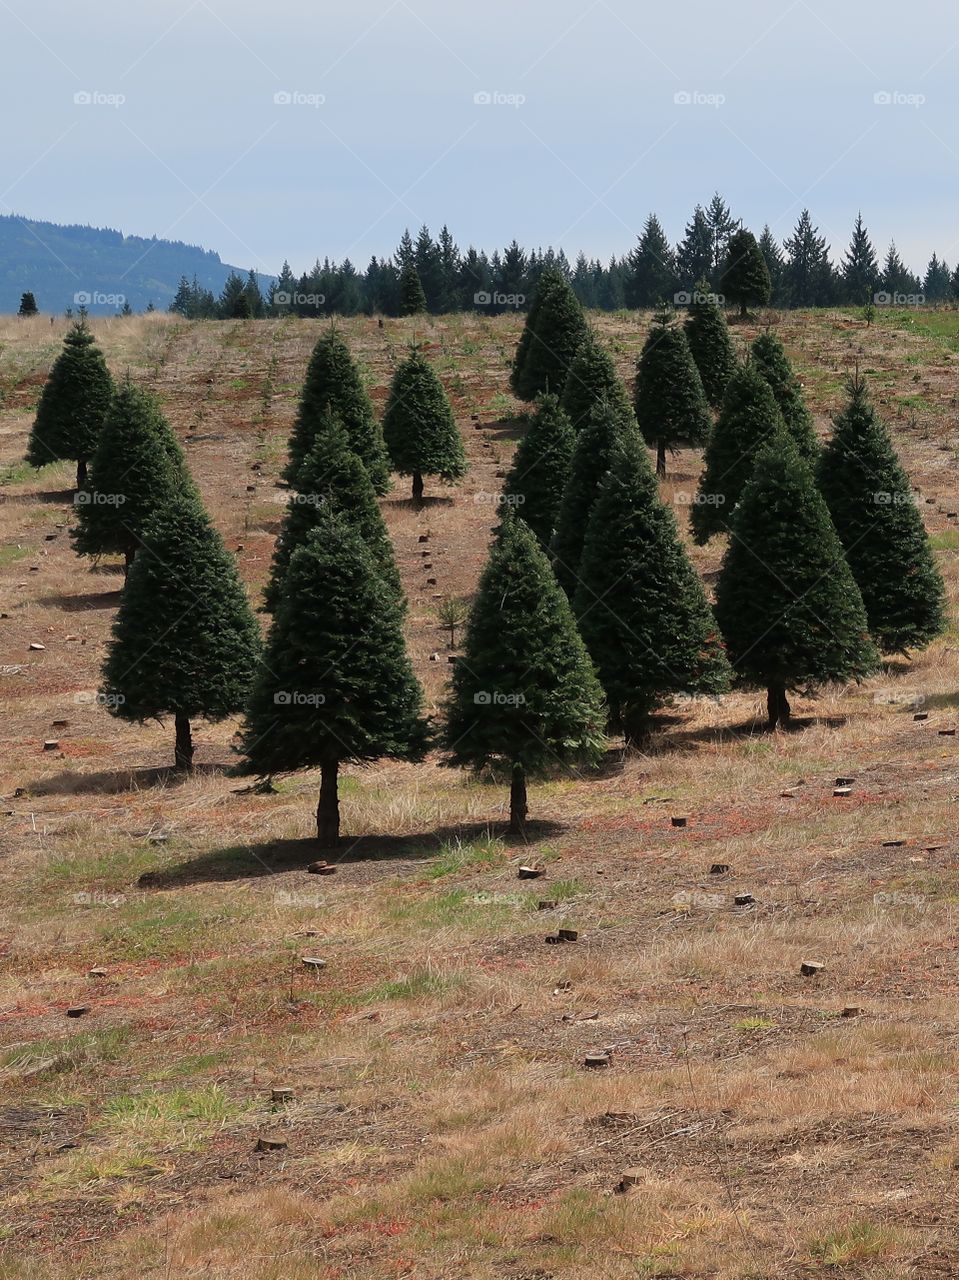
(697, 98)
(896, 98)
(98, 899)
(94, 498)
(485, 299)
(84, 298)
(496, 98)
(694, 498)
(485, 498)
(93, 697)
(96, 98)
(886, 299)
(298, 698)
(690, 297)
(494, 698)
(295, 98)
(283, 298)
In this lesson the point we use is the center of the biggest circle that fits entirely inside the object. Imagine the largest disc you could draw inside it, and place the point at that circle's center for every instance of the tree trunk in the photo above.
(183, 751)
(635, 725)
(328, 808)
(777, 705)
(661, 457)
(127, 561)
(742, 311)
(417, 487)
(81, 472)
(517, 802)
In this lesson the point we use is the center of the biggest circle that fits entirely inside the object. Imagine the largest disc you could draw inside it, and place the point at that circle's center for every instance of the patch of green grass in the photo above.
(459, 855)
(11, 554)
(755, 1024)
(21, 472)
(416, 986)
(74, 1053)
(459, 908)
(140, 1114)
(948, 540)
(152, 930)
(107, 869)
(861, 1241)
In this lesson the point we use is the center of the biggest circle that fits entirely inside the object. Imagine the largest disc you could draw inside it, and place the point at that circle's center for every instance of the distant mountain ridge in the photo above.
(65, 266)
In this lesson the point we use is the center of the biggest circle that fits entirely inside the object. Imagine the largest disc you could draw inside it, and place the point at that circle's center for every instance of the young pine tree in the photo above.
(641, 606)
(138, 469)
(745, 280)
(541, 467)
(336, 683)
(185, 642)
(770, 361)
(786, 601)
(671, 406)
(868, 496)
(592, 456)
(748, 418)
(592, 379)
(28, 305)
(524, 696)
(555, 328)
(411, 295)
(421, 435)
(708, 336)
(331, 479)
(333, 382)
(73, 404)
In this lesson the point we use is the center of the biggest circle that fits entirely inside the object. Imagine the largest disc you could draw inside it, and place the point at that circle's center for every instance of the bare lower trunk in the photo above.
(661, 458)
(777, 705)
(328, 807)
(127, 561)
(635, 725)
(183, 750)
(742, 311)
(517, 801)
(81, 472)
(417, 487)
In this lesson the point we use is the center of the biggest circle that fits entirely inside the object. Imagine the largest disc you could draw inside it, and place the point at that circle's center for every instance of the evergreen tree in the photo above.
(591, 460)
(641, 606)
(786, 601)
(592, 379)
(137, 471)
(73, 404)
(234, 301)
(282, 291)
(412, 299)
(541, 467)
(185, 642)
(775, 263)
(896, 276)
(808, 273)
(748, 417)
(770, 361)
(936, 282)
(671, 406)
(253, 295)
(860, 270)
(336, 683)
(694, 255)
(429, 268)
(28, 305)
(871, 504)
(708, 336)
(333, 382)
(651, 275)
(420, 432)
(555, 328)
(332, 478)
(745, 280)
(524, 697)
(722, 226)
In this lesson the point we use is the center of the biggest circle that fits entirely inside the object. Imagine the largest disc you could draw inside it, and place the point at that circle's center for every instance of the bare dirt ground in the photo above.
(443, 1121)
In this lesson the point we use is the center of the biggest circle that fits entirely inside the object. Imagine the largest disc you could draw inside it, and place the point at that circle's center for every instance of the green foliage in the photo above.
(770, 361)
(332, 478)
(592, 380)
(73, 404)
(184, 640)
(671, 406)
(745, 280)
(421, 434)
(786, 601)
(525, 692)
(138, 469)
(708, 336)
(879, 524)
(591, 459)
(335, 682)
(28, 305)
(333, 382)
(555, 328)
(412, 296)
(641, 606)
(541, 467)
(749, 416)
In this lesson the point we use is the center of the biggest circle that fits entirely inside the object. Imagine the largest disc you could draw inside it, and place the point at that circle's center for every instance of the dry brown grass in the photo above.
(443, 1123)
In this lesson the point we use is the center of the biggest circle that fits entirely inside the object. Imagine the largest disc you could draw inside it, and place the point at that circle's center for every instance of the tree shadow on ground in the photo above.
(251, 861)
(678, 739)
(504, 428)
(116, 781)
(83, 604)
(52, 496)
(421, 504)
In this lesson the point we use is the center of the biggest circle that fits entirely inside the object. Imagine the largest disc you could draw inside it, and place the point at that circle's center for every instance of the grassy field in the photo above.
(443, 1123)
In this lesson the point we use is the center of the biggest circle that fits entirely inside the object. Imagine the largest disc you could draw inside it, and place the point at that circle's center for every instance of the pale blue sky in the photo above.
(784, 115)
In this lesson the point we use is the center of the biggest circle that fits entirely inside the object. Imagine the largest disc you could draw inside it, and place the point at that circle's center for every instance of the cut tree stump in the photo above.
(78, 1010)
(552, 939)
(97, 971)
(744, 900)
(568, 935)
(313, 962)
(51, 744)
(36, 646)
(892, 844)
(810, 968)
(844, 782)
(271, 1142)
(321, 868)
(851, 1011)
(840, 792)
(719, 869)
(282, 1094)
(921, 715)
(678, 821)
(596, 1061)
(529, 873)
(546, 904)
(631, 1178)
(947, 733)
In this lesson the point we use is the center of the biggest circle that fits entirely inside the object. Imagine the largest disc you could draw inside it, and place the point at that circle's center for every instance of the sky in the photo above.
(298, 130)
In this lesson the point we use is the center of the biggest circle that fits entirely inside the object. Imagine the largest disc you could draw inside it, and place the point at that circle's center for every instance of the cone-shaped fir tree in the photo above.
(185, 641)
(333, 381)
(748, 418)
(786, 601)
(745, 281)
(868, 495)
(592, 379)
(524, 696)
(591, 460)
(641, 606)
(412, 296)
(708, 336)
(137, 470)
(555, 327)
(770, 361)
(541, 467)
(671, 406)
(418, 425)
(73, 404)
(336, 683)
(332, 479)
